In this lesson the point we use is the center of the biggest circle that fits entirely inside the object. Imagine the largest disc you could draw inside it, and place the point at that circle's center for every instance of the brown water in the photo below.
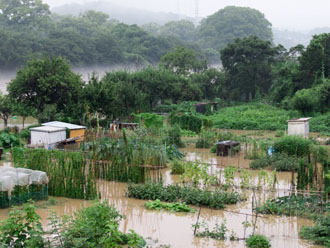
(175, 229)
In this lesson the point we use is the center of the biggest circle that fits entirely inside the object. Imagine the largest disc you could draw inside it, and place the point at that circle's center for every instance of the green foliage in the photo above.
(183, 61)
(68, 172)
(205, 139)
(293, 146)
(187, 121)
(177, 167)
(248, 64)
(97, 226)
(314, 61)
(198, 175)
(278, 162)
(252, 116)
(8, 140)
(218, 232)
(173, 207)
(174, 136)
(6, 108)
(294, 205)
(188, 133)
(22, 228)
(49, 86)
(241, 21)
(150, 120)
(319, 233)
(173, 193)
(258, 241)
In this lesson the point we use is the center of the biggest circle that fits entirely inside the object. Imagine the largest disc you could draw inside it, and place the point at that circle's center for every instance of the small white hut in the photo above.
(47, 136)
(299, 127)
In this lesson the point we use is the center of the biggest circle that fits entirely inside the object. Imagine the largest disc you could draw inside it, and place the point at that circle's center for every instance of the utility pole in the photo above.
(196, 8)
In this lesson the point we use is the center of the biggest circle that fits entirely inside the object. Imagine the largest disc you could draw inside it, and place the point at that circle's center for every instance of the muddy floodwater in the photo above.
(175, 229)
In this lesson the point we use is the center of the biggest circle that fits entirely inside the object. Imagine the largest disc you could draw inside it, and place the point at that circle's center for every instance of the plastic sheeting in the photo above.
(11, 177)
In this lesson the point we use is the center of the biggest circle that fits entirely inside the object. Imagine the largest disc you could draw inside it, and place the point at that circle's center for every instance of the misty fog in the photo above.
(283, 14)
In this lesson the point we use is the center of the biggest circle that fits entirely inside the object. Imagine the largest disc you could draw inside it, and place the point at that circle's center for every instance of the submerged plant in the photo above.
(258, 241)
(173, 207)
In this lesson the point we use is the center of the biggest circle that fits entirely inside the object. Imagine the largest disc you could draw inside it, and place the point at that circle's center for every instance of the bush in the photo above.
(150, 120)
(187, 121)
(279, 162)
(174, 137)
(8, 140)
(97, 226)
(173, 193)
(293, 146)
(173, 207)
(258, 241)
(205, 139)
(177, 167)
(319, 233)
(22, 228)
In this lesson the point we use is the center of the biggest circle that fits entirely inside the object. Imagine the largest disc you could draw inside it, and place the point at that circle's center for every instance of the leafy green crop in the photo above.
(173, 207)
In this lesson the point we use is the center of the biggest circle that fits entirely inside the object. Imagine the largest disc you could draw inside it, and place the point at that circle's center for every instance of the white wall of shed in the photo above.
(299, 128)
(47, 139)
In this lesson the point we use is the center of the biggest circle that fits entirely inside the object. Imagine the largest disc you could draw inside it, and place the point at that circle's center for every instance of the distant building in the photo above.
(76, 132)
(299, 127)
(46, 136)
(203, 107)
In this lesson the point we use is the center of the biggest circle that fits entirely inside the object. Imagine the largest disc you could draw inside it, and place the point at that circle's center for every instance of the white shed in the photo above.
(299, 127)
(47, 136)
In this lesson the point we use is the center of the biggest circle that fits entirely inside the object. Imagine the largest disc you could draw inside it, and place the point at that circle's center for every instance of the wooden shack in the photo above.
(299, 127)
(203, 107)
(225, 148)
(76, 132)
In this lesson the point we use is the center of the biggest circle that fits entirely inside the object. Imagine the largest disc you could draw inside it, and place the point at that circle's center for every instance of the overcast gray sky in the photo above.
(290, 14)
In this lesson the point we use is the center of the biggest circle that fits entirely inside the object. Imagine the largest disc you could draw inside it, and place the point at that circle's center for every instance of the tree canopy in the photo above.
(230, 23)
(247, 63)
(44, 82)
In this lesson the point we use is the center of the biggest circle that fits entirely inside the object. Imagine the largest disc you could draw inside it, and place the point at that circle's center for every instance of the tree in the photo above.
(315, 61)
(23, 110)
(223, 27)
(183, 61)
(47, 81)
(183, 29)
(23, 12)
(5, 109)
(247, 63)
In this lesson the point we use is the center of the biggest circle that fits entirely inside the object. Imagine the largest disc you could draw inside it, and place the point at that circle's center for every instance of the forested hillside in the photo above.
(29, 30)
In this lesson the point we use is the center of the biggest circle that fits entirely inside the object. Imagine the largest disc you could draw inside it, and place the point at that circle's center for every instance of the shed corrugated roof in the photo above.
(47, 129)
(63, 125)
(300, 119)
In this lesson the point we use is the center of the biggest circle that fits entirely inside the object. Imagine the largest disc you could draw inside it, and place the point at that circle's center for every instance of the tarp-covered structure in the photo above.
(18, 185)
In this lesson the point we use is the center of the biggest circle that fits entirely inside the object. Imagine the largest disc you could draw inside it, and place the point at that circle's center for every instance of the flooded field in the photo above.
(175, 229)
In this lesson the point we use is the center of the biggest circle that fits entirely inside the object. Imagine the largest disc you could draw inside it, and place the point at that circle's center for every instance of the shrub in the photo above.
(174, 136)
(97, 226)
(22, 228)
(279, 162)
(173, 207)
(319, 233)
(8, 140)
(258, 241)
(177, 167)
(150, 120)
(293, 146)
(205, 139)
(190, 195)
(187, 121)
